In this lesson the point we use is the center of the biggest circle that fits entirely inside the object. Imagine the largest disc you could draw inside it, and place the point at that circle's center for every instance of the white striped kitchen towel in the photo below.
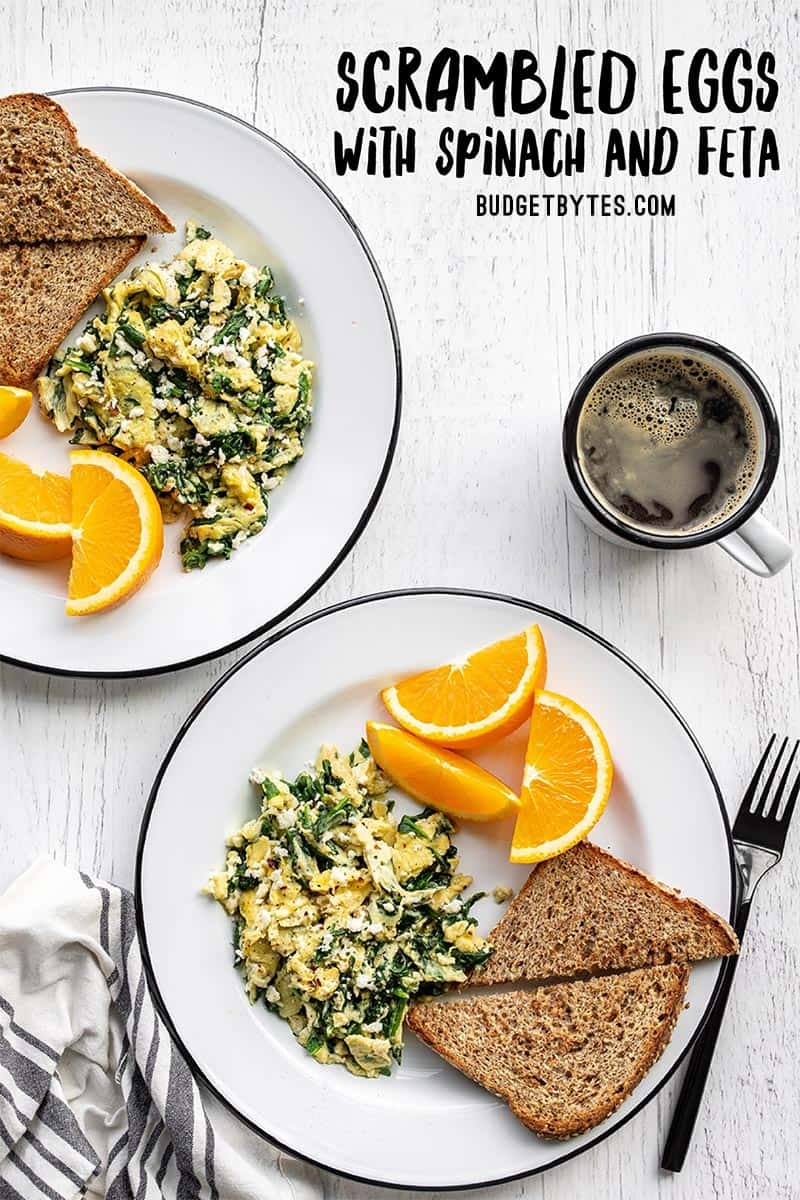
(95, 1099)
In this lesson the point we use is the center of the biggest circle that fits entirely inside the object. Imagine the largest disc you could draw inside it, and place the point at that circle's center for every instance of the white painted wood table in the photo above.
(498, 320)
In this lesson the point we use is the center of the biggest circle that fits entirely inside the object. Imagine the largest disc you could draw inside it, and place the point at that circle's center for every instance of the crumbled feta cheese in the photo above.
(365, 979)
(182, 267)
(287, 818)
(239, 538)
(158, 454)
(280, 852)
(229, 354)
(214, 547)
(87, 343)
(197, 347)
(340, 874)
(272, 995)
(173, 444)
(214, 351)
(249, 277)
(200, 440)
(452, 906)
(372, 1027)
(140, 359)
(210, 510)
(375, 927)
(136, 411)
(256, 775)
(356, 924)
(208, 333)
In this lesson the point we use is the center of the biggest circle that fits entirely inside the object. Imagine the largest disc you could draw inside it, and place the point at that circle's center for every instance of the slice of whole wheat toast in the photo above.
(54, 189)
(562, 1056)
(587, 911)
(44, 289)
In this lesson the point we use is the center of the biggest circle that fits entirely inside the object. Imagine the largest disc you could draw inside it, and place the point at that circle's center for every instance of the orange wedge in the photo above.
(15, 404)
(438, 777)
(476, 699)
(567, 779)
(34, 512)
(117, 532)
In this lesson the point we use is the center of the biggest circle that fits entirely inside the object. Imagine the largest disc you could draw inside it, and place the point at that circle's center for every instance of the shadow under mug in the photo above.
(747, 536)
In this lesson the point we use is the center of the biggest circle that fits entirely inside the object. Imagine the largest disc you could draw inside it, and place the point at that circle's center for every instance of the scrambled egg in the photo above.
(341, 913)
(196, 375)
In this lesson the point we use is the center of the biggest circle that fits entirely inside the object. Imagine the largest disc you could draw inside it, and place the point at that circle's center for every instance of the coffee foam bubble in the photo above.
(660, 398)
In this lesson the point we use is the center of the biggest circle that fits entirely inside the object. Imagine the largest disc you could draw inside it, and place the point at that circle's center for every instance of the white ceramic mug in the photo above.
(746, 535)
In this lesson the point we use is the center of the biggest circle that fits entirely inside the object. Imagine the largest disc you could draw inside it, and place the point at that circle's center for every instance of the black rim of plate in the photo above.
(377, 597)
(363, 520)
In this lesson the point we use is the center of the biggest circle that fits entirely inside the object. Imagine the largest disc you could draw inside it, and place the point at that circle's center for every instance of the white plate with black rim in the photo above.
(202, 164)
(426, 1126)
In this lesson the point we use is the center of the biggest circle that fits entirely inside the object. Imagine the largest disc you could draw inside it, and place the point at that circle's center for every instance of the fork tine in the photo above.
(762, 804)
(781, 788)
(793, 794)
(747, 798)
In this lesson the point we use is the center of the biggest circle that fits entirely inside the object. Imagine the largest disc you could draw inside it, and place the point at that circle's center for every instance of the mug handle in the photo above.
(758, 546)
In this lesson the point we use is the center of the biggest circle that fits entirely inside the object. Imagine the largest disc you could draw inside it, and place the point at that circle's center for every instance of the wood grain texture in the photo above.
(498, 321)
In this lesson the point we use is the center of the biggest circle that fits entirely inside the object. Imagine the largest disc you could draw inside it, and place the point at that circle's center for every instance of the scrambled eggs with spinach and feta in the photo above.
(341, 913)
(196, 375)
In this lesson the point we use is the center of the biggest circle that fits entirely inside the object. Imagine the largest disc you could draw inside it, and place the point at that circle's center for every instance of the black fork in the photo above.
(759, 835)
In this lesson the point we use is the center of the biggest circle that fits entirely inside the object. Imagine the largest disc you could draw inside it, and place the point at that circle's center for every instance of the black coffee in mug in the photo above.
(668, 443)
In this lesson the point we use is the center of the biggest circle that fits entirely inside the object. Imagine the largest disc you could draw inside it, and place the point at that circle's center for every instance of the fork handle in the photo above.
(694, 1081)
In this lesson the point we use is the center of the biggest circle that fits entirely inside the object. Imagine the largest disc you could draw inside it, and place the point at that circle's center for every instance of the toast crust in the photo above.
(506, 1064)
(33, 107)
(726, 939)
(586, 930)
(515, 933)
(27, 337)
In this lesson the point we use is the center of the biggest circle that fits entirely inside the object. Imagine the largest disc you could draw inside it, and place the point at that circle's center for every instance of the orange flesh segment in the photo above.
(31, 496)
(15, 404)
(439, 777)
(475, 700)
(567, 780)
(566, 785)
(110, 529)
(117, 532)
